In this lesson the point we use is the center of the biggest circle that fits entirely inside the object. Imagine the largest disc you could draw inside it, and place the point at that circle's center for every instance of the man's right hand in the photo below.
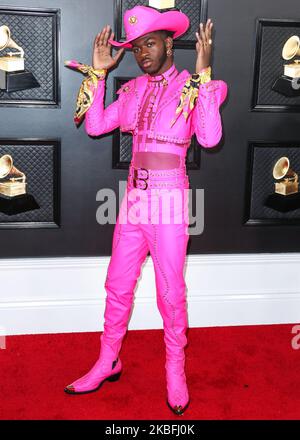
(102, 58)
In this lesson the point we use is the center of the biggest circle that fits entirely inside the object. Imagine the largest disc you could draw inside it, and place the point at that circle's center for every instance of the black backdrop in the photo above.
(86, 163)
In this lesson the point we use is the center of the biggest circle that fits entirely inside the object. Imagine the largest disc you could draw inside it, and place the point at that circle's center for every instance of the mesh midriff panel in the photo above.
(156, 160)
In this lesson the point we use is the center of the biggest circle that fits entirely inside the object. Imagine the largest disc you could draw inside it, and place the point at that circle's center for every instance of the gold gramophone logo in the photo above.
(13, 75)
(288, 84)
(14, 199)
(286, 178)
(14, 60)
(291, 49)
(12, 180)
(286, 196)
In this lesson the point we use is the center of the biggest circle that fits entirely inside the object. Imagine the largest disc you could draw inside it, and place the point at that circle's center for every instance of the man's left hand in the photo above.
(204, 45)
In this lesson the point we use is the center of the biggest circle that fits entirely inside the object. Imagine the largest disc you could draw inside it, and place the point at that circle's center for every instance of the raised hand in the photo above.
(102, 58)
(204, 45)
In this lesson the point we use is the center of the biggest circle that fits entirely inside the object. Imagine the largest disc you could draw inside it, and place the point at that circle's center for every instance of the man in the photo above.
(148, 108)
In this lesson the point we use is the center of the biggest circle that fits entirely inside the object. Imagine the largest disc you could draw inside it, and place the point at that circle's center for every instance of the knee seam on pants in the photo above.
(118, 236)
(165, 280)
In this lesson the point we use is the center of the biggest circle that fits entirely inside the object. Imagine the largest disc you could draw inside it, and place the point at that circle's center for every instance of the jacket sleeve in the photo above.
(206, 118)
(100, 120)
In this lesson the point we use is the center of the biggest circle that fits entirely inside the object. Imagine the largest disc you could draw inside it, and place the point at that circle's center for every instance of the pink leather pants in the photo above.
(145, 223)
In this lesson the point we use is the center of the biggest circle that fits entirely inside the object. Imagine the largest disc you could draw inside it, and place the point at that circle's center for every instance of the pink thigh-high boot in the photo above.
(168, 250)
(129, 250)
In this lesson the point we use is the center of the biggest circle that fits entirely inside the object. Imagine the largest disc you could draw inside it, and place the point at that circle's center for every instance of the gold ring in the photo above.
(209, 41)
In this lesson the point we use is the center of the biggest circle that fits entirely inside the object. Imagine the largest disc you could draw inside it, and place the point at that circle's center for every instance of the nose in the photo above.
(144, 54)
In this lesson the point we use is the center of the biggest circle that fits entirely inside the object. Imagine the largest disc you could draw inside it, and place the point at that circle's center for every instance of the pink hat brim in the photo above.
(175, 21)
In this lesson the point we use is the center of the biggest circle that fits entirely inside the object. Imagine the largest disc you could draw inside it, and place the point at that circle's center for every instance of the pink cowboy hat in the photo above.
(141, 20)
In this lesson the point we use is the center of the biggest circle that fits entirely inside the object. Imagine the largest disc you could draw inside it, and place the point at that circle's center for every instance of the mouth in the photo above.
(146, 63)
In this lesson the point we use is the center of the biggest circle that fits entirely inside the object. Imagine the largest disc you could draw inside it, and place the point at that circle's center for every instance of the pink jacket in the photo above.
(205, 120)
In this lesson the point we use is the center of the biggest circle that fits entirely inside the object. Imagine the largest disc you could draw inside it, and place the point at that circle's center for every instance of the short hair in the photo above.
(164, 33)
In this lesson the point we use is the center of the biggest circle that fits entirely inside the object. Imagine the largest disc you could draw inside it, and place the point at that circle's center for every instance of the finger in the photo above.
(101, 38)
(209, 31)
(97, 37)
(96, 40)
(111, 37)
(210, 34)
(106, 35)
(109, 32)
(199, 44)
(208, 28)
(202, 33)
(198, 37)
(99, 41)
(206, 31)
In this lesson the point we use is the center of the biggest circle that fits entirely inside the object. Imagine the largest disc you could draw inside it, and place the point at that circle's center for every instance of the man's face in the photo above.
(152, 47)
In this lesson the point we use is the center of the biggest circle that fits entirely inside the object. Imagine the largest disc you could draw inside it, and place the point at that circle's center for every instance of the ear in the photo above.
(169, 42)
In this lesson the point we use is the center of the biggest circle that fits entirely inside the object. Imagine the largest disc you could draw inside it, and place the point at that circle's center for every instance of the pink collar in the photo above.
(165, 75)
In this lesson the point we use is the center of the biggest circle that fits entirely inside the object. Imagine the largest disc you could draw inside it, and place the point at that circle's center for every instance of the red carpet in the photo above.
(249, 372)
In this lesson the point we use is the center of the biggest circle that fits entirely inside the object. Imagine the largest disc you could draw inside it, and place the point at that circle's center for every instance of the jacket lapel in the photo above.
(139, 89)
(173, 91)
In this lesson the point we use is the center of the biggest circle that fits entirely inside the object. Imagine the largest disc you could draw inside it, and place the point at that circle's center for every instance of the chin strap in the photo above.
(88, 87)
(190, 93)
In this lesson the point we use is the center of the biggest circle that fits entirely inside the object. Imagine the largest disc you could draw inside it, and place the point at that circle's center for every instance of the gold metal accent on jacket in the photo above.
(87, 89)
(190, 93)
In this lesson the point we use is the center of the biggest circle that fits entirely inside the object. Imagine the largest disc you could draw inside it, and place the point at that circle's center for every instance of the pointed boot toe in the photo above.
(89, 383)
(69, 389)
(178, 409)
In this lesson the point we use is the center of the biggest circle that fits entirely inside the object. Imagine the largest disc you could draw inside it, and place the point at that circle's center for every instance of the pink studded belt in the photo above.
(144, 178)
